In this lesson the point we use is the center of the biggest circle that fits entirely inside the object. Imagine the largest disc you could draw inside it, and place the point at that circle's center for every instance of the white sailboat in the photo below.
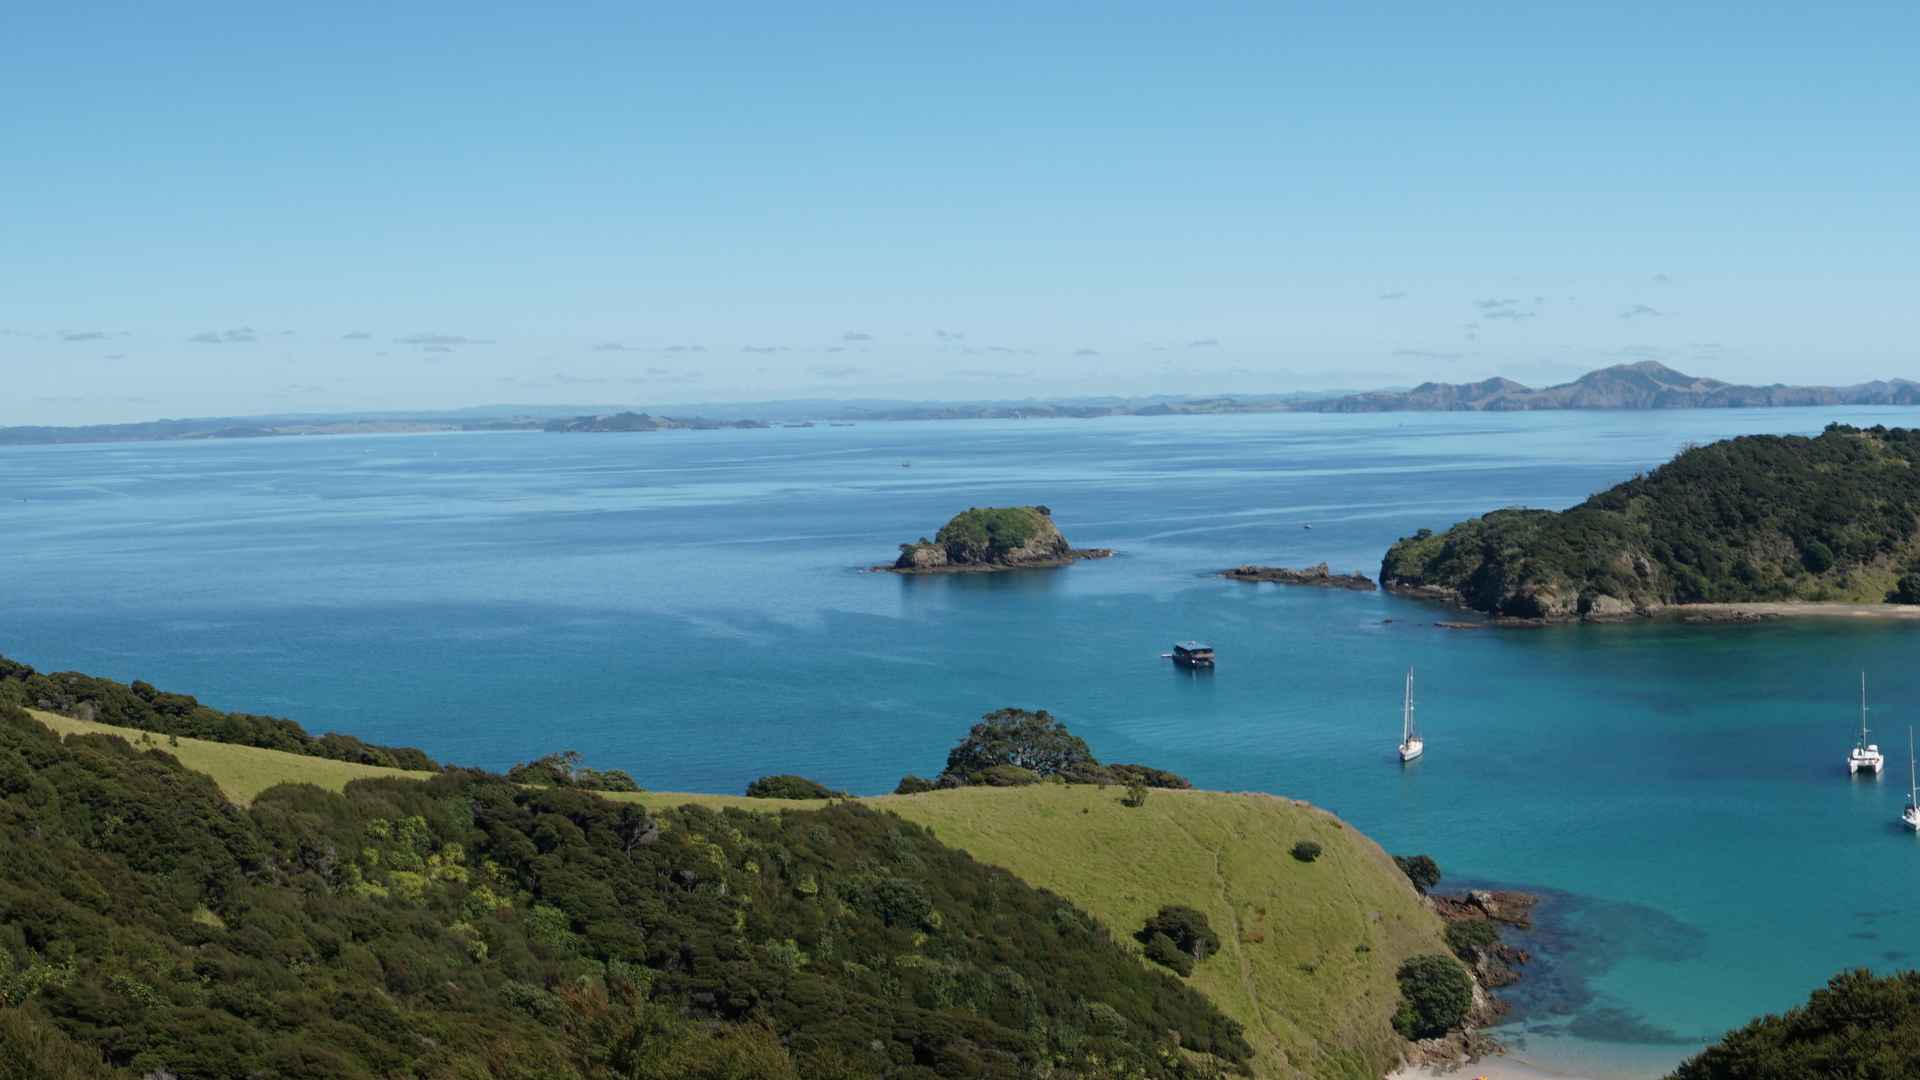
(1911, 815)
(1864, 755)
(1411, 744)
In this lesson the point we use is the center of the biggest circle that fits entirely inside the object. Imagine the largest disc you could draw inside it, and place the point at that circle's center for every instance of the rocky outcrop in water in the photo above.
(992, 538)
(1316, 576)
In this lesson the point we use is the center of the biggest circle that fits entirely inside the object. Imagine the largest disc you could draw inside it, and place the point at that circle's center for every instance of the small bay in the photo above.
(690, 606)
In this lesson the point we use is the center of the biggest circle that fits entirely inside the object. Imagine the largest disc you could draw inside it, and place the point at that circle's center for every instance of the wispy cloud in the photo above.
(1641, 311)
(436, 348)
(1204, 343)
(613, 346)
(237, 336)
(84, 335)
(356, 335)
(1663, 279)
(950, 335)
(856, 335)
(1395, 295)
(441, 340)
(1086, 352)
(684, 348)
(990, 373)
(763, 348)
(1427, 354)
(836, 371)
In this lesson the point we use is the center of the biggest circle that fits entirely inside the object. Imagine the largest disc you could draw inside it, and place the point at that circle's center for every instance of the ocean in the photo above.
(692, 607)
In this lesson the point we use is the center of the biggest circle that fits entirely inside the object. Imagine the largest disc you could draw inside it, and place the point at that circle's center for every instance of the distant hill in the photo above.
(1757, 518)
(1646, 385)
(633, 421)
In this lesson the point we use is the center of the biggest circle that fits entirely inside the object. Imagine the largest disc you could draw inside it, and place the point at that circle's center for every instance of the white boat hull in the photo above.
(1911, 818)
(1866, 764)
(1411, 750)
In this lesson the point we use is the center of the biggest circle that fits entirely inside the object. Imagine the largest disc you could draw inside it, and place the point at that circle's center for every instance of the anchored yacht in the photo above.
(1864, 755)
(1411, 744)
(1911, 815)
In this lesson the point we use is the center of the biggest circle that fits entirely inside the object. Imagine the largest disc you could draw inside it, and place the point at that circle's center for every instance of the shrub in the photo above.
(1859, 1025)
(1306, 851)
(1031, 740)
(1906, 590)
(914, 785)
(789, 786)
(1420, 869)
(1148, 775)
(1435, 995)
(1162, 950)
(1005, 776)
(1185, 927)
(564, 770)
(1136, 796)
(1470, 939)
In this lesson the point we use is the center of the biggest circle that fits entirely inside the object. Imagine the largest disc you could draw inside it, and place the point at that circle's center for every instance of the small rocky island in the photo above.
(986, 539)
(1317, 576)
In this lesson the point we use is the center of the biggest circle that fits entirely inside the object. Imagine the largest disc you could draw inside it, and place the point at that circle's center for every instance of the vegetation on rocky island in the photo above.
(1760, 517)
(987, 538)
(142, 706)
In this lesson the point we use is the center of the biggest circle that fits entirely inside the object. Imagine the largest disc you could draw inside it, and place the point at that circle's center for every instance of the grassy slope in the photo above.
(242, 771)
(1289, 971)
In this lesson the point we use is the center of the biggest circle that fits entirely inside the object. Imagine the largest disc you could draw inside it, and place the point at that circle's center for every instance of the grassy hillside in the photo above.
(1762, 517)
(1309, 949)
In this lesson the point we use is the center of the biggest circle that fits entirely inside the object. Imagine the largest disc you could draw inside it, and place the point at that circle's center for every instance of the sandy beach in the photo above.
(1500, 1068)
(1787, 609)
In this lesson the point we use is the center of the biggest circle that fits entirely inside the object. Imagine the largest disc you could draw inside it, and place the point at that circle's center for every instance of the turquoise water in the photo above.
(689, 606)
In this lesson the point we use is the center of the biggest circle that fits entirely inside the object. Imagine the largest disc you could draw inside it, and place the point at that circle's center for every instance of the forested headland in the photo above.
(1834, 517)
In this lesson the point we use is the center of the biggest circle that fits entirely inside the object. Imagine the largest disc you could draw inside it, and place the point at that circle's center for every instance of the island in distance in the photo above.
(987, 539)
(1760, 524)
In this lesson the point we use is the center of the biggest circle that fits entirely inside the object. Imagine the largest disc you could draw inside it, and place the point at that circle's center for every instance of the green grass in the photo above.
(241, 771)
(1292, 968)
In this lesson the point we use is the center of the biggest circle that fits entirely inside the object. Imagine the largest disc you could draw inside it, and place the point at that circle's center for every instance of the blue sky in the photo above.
(215, 209)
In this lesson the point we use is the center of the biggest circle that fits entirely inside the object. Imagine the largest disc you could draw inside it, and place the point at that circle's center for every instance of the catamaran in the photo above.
(1864, 755)
(1411, 744)
(1911, 815)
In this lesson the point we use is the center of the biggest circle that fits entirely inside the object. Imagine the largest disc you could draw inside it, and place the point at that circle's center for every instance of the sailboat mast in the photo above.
(1913, 782)
(1406, 711)
(1863, 706)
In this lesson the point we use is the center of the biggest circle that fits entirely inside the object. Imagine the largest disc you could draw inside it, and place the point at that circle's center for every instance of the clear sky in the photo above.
(218, 208)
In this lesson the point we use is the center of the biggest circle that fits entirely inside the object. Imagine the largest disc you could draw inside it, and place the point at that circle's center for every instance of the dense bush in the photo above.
(990, 534)
(1162, 950)
(1034, 741)
(1136, 796)
(1471, 938)
(1860, 1026)
(1186, 927)
(1906, 590)
(1760, 517)
(789, 786)
(914, 785)
(1435, 995)
(1005, 776)
(1420, 869)
(1147, 776)
(141, 706)
(469, 926)
(1306, 851)
(564, 770)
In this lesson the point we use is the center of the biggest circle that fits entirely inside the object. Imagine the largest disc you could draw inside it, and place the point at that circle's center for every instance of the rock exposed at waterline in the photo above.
(1317, 576)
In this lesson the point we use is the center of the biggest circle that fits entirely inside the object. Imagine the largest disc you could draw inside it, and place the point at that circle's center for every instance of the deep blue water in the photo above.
(689, 606)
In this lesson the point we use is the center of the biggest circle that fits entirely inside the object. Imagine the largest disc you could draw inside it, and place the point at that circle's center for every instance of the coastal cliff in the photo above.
(1760, 518)
(992, 538)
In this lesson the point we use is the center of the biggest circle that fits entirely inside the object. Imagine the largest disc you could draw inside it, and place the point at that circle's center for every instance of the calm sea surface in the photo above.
(689, 606)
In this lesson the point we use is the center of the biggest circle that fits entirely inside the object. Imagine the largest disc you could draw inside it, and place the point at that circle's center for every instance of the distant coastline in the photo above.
(1626, 387)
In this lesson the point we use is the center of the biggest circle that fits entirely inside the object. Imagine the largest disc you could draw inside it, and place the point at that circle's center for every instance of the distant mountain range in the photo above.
(1646, 385)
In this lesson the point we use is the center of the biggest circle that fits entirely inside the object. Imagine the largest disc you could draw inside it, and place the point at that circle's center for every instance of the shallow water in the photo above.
(689, 606)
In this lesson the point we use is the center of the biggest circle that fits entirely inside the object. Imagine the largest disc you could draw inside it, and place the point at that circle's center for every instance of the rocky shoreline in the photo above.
(1756, 611)
(1317, 576)
(1071, 557)
(1493, 962)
